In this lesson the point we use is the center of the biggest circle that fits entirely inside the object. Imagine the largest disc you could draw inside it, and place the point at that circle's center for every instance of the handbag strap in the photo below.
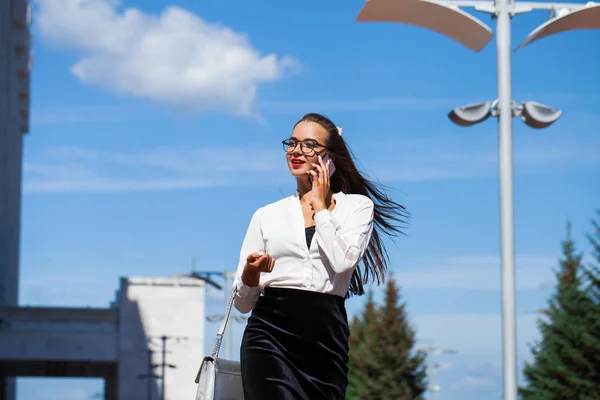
(221, 332)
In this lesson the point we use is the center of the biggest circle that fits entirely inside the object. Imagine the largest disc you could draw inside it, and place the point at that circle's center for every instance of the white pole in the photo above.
(509, 351)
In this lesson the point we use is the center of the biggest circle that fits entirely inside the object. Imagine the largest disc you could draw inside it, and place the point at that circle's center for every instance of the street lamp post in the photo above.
(446, 17)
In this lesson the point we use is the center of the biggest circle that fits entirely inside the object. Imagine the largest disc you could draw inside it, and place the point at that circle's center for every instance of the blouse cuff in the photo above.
(244, 290)
(325, 216)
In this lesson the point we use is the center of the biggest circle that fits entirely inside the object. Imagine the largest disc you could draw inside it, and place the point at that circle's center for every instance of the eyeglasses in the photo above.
(307, 146)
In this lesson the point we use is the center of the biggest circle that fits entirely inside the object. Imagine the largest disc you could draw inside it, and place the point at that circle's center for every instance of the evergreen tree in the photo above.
(592, 270)
(562, 368)
(382, 364)
(568, 273)
(364, 365)
(592, 273)
(403, 376)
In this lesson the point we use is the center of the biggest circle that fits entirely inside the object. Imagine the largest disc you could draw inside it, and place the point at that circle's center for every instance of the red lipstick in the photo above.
(297, 163)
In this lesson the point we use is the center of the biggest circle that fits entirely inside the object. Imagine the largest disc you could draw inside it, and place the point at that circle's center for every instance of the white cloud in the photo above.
(175, 58)
(76, 293)
(477, 273)
(53, 115)
(66, 285)
(77, 114)
(114, 185)
(75, 169)
(476, 334)
(81, 114)
(469, 154)
(368, 104)
(403, 159)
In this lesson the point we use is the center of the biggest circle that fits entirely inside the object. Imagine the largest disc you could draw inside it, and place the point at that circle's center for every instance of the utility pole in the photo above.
(163, 364)
(149, 375)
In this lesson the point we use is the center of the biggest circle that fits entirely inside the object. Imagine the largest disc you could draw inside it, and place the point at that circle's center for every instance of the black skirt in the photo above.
(295, 346)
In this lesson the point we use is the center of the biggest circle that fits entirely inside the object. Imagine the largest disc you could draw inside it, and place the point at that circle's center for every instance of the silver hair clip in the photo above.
(340, 130)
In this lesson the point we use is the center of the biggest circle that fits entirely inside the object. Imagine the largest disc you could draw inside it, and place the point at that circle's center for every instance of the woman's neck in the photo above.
(305, 187)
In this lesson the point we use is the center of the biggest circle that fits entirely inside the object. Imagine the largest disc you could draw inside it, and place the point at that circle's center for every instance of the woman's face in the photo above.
(309, 138)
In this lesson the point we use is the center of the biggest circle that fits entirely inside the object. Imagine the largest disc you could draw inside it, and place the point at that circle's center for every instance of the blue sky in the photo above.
(135, 165)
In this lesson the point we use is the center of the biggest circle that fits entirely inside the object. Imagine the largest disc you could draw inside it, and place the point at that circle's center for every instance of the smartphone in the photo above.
(331, 164)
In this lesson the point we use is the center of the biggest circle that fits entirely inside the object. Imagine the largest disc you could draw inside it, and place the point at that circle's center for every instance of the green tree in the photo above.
(592, 274)
(562, 368)
(383, 363)
(570, 267)
(364, 365)
(592, 270)
(403, 375)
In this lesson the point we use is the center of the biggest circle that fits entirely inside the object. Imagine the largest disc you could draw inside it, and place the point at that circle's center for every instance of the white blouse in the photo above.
(340, 240)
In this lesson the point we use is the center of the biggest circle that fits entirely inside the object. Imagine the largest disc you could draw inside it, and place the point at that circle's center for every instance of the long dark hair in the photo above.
(389, 216)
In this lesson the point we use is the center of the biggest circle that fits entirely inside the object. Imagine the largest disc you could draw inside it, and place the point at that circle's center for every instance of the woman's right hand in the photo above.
(257, 262)
(260, 261)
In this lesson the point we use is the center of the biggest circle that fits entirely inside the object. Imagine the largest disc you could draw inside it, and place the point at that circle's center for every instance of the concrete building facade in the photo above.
(147, 346)
(153, 322)
(14, 122)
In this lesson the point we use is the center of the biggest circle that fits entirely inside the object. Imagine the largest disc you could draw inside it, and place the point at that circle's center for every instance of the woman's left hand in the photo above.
(320, 185)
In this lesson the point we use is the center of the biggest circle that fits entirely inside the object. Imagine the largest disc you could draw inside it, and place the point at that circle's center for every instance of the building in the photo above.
(153, 322)
(14, 121)
(153, 330)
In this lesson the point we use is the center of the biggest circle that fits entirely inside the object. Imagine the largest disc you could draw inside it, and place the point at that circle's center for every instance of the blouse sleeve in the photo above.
(247, 296)
(345, 245)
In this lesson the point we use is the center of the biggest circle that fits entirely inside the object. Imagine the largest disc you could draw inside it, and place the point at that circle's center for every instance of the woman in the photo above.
(302, 253)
